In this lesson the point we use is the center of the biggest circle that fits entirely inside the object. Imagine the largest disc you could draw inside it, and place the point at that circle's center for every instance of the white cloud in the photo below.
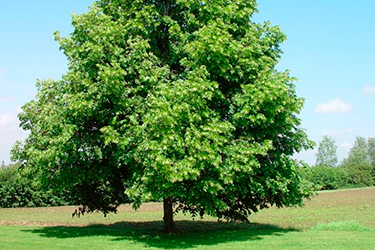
(10, 132)
(5, 82)
(6, 98)
(346, 145)
(335, 106)
(332, 133)
(18, 110)
(349, 130)
(5, 119)
(337, 134)
(308, 156)
(369, 89)
(7, 123)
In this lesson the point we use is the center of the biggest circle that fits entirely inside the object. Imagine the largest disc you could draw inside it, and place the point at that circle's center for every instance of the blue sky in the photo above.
(330, 49)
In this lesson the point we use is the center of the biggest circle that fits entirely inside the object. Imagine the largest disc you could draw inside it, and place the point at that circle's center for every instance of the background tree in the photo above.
(18, 191)
(173, 100)
(371, 153)
(326, 178)
(358, 163)
(327, 152)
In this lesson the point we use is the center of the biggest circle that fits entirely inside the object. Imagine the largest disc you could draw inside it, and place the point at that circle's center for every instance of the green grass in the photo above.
(331, 220)
(146, 235)
(342, 226)
(357, 205)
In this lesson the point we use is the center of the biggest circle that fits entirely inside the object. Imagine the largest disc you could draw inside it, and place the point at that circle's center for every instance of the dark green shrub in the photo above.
(327, 178)
(18, 191)
(360, 175)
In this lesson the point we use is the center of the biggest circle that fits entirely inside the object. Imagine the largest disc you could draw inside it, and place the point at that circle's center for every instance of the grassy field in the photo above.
(332, 220)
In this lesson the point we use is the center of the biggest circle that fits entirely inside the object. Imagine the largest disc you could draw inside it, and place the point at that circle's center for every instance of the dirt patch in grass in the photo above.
(356, 205)
(62, 216)
(147, 207)
(346, 197)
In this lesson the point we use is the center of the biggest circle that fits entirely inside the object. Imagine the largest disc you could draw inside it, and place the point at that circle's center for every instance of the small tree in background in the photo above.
(358, 163)
(173, 100)
(327, 152)
(371, 153)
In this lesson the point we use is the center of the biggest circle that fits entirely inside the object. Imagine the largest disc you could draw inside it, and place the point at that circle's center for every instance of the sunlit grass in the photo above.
(342, 226)
(356, 205)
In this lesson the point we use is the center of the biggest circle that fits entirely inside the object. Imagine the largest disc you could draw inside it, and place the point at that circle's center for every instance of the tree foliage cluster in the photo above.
(327, 152)
(357, 170)
(360, 162)
(173, 100)
(17, 190)
(326, 178)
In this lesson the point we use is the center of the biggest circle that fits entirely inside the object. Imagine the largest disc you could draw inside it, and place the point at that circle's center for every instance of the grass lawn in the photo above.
(332, 220)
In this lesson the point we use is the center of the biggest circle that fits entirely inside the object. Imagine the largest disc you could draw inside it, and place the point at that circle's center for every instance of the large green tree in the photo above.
(327, 152)
(173, 100)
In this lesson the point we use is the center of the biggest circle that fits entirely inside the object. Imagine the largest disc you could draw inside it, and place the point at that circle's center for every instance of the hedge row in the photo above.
(330, 178)
(18, 191)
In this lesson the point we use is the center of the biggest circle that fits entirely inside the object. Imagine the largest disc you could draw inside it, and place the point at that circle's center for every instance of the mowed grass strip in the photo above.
(108, 237)
(331, 220)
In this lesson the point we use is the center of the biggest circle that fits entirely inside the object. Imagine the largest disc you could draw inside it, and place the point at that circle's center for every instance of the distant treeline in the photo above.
(357, 170)
(328, 178)
(18, 191)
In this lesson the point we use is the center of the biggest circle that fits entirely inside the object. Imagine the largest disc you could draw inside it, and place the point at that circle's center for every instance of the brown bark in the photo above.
(169, 224)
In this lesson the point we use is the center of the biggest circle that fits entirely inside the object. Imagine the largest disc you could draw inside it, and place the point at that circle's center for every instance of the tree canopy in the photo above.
(327, 152)
(359, 162)
(174, 100)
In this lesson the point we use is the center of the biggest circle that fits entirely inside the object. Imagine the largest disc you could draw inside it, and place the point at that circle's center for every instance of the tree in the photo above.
(169, 100)
(327, 152)
(371, 154)
(371, 149)
(358, 163)
(18, 191)
(326, 178)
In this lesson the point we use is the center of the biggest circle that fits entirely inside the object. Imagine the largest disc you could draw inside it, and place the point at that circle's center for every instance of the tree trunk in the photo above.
(169, 224)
